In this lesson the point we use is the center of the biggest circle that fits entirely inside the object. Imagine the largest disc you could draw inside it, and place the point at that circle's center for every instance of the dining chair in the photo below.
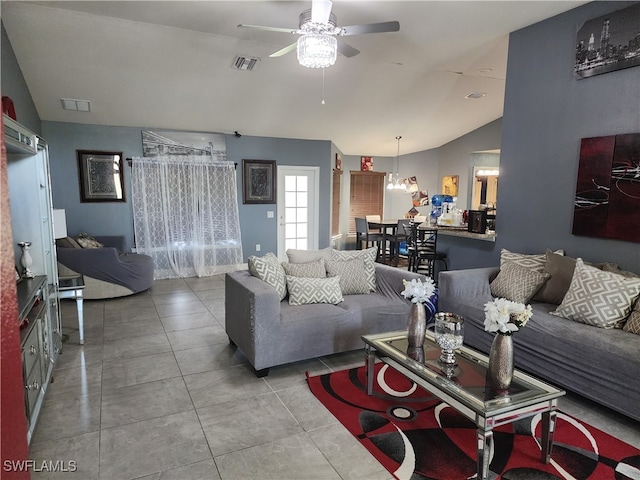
(364, 235)
(398, 243)
(423, 251)
(374, 219)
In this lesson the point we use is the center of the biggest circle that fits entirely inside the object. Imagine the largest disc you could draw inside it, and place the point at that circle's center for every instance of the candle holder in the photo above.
(448, 331)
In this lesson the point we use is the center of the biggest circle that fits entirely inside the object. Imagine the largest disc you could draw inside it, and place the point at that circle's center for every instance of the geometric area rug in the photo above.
(417, 437)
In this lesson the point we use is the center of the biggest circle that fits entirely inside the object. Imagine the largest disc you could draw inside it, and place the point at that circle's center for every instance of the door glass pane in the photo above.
(302, 184)
(301, 230)
(290, 230)
(301, 199)
(290, 215)
(290, 183)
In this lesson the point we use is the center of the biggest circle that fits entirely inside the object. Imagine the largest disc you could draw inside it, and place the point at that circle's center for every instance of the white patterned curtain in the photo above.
(185, 215)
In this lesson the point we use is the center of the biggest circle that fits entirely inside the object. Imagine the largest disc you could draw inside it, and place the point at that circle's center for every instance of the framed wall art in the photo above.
(608, 43)
(366, 164)
(450, 185)
(258, 181)
(607, 196)
(101, 176)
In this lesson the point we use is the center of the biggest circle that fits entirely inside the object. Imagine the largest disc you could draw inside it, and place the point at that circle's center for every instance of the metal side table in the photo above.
(72, 287)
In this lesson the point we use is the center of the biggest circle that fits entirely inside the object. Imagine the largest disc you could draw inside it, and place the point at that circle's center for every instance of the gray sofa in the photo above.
(271, 332)
(599, 364)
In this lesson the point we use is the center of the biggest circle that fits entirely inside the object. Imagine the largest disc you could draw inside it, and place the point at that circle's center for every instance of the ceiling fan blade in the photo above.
(347, 50)
(371, 28)
(320, 11)
(284, 50)
(269, 29)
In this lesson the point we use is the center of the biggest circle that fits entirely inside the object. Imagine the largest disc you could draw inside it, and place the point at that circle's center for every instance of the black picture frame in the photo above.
(101, 176)
(258, 181)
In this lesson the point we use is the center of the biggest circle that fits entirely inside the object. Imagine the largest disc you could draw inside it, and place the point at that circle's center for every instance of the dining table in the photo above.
(389, 229)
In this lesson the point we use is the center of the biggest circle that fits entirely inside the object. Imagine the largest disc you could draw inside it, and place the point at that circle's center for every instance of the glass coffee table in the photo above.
(464, 388)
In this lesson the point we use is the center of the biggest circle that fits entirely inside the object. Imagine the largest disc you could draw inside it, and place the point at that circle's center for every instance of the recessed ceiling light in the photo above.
(485, 70)
(475, 95)
(76, 105)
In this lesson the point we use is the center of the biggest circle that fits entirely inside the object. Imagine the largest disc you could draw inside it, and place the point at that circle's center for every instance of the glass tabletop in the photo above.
(70, 282)
(466, 381)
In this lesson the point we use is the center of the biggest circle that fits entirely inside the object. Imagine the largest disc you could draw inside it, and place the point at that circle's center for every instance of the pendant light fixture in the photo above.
(394, 180)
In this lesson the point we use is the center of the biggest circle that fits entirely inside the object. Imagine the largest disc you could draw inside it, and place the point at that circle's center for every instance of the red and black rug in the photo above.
(415, 436)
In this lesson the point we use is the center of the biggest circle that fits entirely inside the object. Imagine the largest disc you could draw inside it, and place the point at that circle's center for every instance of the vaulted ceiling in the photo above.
(168, 65)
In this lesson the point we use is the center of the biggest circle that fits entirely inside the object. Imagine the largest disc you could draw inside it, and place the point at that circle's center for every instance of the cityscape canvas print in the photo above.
(608, 43)
(607, 197)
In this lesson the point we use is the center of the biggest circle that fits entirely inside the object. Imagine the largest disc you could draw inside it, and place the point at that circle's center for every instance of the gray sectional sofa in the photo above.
(271, 332)
(600, 364)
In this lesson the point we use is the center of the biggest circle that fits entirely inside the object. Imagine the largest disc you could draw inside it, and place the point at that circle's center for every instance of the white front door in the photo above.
(297, 209)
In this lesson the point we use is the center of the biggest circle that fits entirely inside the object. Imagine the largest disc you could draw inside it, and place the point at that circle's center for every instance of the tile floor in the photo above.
(156, 392)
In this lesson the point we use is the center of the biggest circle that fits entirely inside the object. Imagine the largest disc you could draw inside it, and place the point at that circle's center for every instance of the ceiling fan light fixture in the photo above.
(316, 50)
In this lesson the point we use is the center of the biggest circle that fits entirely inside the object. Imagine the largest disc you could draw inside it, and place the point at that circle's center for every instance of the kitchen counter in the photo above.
(462, 232)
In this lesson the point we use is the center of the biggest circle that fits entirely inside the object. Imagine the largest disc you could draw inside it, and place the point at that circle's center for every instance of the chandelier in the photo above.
(395, 182)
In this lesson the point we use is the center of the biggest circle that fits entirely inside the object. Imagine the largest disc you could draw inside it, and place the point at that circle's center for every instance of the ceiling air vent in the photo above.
(76, 105)
(245, 63)
(475, 95)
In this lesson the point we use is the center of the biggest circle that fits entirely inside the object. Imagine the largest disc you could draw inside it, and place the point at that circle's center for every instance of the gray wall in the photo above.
(12, 85)
(457, 158)
(546, 114)
(116, 218)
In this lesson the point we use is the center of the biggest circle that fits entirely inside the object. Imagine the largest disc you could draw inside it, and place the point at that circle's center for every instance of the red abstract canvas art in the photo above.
(607, 199)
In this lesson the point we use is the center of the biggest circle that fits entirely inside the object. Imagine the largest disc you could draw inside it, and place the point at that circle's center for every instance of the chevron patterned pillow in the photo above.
(269, 270)
(352, 274)
(369, 257)
(304, 290)
(310, 269)
(517, 283)
(598, 298)
(532, 262)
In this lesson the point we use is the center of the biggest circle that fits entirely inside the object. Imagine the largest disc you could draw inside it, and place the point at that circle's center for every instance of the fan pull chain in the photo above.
(322, 102)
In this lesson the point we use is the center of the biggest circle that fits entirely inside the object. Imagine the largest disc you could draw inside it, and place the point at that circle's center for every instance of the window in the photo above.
(336, 192)
(366, 195)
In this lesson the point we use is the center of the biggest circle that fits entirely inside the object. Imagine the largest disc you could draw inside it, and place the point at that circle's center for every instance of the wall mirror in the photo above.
(485, 187)
(484, 167)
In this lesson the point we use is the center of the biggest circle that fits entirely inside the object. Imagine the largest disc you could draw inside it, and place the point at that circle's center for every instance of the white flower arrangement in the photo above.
(505, 317)
(417, 291)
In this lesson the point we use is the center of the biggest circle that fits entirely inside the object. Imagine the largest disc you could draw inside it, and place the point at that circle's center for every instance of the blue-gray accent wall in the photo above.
(546, 114)
(117, 218)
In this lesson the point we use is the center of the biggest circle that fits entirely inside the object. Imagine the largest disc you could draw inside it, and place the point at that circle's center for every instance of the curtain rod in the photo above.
(130, 161)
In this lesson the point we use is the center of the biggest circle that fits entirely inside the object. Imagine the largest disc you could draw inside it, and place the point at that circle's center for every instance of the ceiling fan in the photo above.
(319, 32)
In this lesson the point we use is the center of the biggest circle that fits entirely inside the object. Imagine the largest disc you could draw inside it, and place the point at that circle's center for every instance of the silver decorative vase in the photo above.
(417, 327)
(500, 370)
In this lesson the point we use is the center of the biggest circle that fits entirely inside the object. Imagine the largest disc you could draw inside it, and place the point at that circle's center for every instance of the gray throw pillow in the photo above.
(560, 269)
(311, 269)
(352, 274)
(306, 256)
(598, 298)
(269, 270)
(369, 257)
(517, 283)
(304, 290)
